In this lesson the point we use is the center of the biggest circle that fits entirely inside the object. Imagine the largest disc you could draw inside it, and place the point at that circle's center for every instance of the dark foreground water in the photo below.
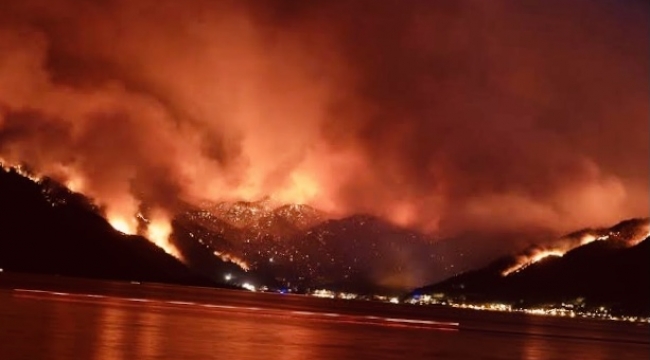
(50, 318)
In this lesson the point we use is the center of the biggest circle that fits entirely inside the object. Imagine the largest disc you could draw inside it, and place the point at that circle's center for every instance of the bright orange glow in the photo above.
(120, 213)
(123, 224)
(567, 244)
(589, 238)
(303, 189)
(233, 259)
(258, 100)
(641, 235)
(159, 228)
(21, 170)
(75, 184)
(526, 261)
(559, 251)
(159, 231)
(403, 214)
(544, 254)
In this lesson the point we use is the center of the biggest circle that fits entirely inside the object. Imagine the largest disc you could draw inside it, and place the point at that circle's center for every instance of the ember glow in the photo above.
(526, 261)
(125, 225)
(635, 233)
(75, 184)
(233, 259)
(544, 254)
(559, 249)
(122, 216)
(423, 113)
(159, 230)
(21, 170)
(159, 227)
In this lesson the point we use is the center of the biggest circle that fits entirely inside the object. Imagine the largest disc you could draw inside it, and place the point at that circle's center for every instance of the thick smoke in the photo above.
(490, 117)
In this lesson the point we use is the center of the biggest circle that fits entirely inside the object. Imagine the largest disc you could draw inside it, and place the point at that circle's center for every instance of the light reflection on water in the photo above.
(149, 338)
(111, 334)
(111, 329)
(547, 342)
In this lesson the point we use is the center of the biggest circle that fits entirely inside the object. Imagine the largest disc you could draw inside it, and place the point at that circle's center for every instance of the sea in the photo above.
(49, 317)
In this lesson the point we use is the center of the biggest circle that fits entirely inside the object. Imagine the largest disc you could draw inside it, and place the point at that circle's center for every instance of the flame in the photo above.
(562, 248)
(159, 231)
(525, 261)
(24, 172)
(159, 228)
(588, 238)
(403, 214)
(301, 189)
(643, 234)
(559, 251)
(544, 254)
(120, 213)
(123, 224)
(233, 259)
(75, 183)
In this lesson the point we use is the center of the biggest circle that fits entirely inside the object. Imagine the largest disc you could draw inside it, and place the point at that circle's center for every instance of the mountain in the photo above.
(247, 234)
(605, 267)
(296, 246)
(44, 228)
(253, 220)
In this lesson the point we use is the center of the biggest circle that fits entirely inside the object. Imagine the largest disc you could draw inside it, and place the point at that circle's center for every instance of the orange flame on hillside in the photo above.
(75, 184)
(525, 261)
(159, 231)
(233, 259)
(629, 237)
(558, 250)
(273, 101)
(123, 224)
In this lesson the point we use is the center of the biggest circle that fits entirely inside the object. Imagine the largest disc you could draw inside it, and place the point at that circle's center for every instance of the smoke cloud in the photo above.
(454, 117)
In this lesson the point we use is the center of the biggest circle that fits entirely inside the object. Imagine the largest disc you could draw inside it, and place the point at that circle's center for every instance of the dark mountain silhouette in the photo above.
(614, 272)
(294, 246)
(44, 228)
(47, 229)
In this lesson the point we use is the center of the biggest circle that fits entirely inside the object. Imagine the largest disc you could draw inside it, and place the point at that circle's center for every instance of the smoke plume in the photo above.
(453, 117)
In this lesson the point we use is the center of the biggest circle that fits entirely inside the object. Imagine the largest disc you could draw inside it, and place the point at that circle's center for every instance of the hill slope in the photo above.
(46, 229)
(295, 246)
(614, 272)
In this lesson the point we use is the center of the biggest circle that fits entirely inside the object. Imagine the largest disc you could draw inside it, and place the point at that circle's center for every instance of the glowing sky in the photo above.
(490, 117)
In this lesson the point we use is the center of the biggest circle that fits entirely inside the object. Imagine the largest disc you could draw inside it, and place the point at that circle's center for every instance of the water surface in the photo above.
(78, 319)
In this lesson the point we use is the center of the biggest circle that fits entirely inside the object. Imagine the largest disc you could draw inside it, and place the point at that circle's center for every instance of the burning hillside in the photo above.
(306, 105)
(626, 234)
(156, 228)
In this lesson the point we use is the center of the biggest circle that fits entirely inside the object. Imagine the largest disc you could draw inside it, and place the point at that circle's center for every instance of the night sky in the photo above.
(498, 118)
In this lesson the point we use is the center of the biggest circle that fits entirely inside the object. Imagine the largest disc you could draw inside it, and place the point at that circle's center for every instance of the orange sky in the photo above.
(471, 116)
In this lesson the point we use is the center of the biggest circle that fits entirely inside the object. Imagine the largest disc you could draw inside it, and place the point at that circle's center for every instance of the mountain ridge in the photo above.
(612, 271)
(47, 229)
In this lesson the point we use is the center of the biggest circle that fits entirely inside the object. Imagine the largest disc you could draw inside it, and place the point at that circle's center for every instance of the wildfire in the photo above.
(642, 234)
(233, 259)
(75, 184)
(303, 189)
(647, 235)
(559, 250)
(159, 231)
(123, 224)
(525, 261)
(20, 170)
(567, 244)
(403, 214)
(544, 254)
